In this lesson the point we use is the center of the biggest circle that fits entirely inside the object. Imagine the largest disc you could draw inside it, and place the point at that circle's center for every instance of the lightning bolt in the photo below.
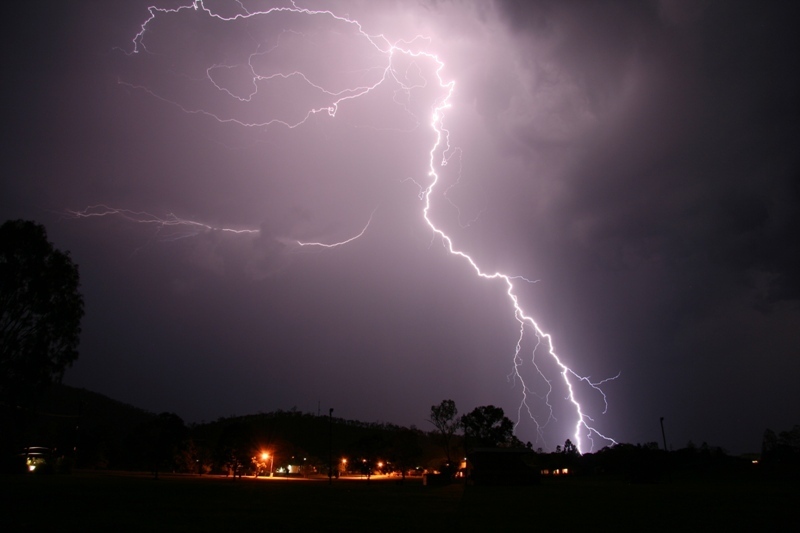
(174, 227)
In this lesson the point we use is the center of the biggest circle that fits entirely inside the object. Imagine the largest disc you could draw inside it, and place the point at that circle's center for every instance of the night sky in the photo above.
(637, 161)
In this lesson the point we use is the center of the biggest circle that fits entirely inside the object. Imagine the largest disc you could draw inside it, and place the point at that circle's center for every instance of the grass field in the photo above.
(89, 501)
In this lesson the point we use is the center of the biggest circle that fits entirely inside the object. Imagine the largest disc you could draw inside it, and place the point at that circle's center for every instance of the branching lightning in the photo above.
(438, 157)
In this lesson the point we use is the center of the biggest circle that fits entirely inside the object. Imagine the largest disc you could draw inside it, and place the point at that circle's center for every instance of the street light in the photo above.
(264, 457)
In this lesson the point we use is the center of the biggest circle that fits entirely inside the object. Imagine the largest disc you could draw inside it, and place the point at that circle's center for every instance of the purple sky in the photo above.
(638, 159)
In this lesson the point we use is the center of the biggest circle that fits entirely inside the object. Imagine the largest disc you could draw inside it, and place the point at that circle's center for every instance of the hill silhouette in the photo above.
(97, 432)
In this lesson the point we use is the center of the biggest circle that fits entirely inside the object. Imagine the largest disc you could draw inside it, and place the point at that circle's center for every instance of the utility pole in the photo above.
(666, 452)
(330, 446)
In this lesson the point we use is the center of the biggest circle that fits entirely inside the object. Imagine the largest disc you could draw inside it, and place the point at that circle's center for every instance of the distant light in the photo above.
(31, 468)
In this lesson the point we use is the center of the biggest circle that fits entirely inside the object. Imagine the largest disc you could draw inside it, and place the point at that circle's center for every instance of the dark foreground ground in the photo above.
(87, 501)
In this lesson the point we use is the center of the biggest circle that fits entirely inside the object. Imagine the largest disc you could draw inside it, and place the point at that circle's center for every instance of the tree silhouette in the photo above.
(40, 315)
(443, 416)
(783, 448)
(235, 447)
(162, 437)
(40, 311)
(367, 450)
(569, 448)
(488, 427)
(404, 450)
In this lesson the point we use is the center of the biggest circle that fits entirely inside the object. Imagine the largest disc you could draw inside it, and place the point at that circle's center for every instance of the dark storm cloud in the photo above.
(638, 158)
(696, 151)
(678, 202)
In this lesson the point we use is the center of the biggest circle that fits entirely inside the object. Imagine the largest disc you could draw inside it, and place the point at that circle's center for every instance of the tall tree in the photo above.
(488, 427)
(404, 450)
(40, 311)
(443, 416)
(569, 448)
(163, 437)
(236, 447)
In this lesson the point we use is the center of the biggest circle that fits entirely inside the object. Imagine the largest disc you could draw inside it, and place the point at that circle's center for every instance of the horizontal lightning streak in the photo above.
(143, 217)
(335, 244)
